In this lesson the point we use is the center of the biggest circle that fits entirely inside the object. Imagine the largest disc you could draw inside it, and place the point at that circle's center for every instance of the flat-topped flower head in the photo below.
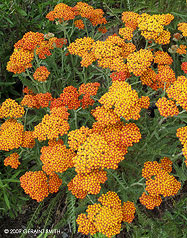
(11, 135)
(12, 160)
(10, 108)
(182, 26)
(139, 61)
(150, 202)
(41, 74)
(167, 107)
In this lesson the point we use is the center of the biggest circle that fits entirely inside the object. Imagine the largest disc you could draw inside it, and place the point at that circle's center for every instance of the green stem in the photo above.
(90, 199)
(34, 82)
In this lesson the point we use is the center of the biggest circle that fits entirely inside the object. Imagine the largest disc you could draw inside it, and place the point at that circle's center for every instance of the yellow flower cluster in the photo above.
(125, 101)
(167, 107)
(109, 53)
(152, 27)
(139, 61)
(38, 185)
(106, 217)
(10, 108)
(11, 134)
(51, 126)
(162, 184)
(182, 135)
(95, 153)
(178, 91)
(28, 140)
(12, 160)
(182, 26)
(89, 183)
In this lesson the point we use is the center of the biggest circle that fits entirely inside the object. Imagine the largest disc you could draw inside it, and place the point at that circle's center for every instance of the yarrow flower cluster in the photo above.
(106, 217)
(41, 74)
(63, 12)
(38, 185)
(52, 126)
(139, 61)
(182, 135)
(125, 101)
(12, 160)
(182, 26)
(11, 109)
(167, 107)
(162, 184)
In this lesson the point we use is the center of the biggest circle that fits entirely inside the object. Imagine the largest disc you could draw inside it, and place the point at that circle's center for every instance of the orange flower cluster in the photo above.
(120, 135)
(106, 217)
(79, 24)
(167, 107)
(28, 140)
(56, 158)
(152, 27)
(102, 29)
(182, 135)
(41, 74)
(10, 108)
(105, 116)
(11, 133)
(37, 100)
(139, 61)
(95, 16)
(149, 78)
(161, 57)
(165, 76)
(162, 184)
(38, 185)
(52, 125)
(120, 76)
(12, 160)
(181, 50)
(130, 19)
(62, 12)
(88, 91)
(124, 100)
(29, 41)
(184, 67)
(20, 60)
(178, 91)
(90, 183)
(24, 52)
(182, 26)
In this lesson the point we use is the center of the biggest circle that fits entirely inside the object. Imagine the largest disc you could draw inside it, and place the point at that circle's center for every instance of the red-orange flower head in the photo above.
(11, 135)
(10, 108)
(41, 74)
(88, 91)
(12, 160)
(35, 184)
(150, 202)
(56, 158)
(28, 140)
(30, 41)
(70, 98)
(184, 67)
